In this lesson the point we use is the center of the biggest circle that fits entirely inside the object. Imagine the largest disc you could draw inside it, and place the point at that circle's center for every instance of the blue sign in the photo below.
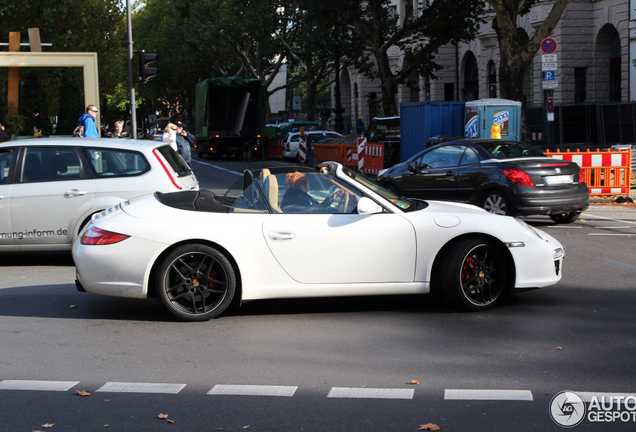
(549, 75)
(548, 45)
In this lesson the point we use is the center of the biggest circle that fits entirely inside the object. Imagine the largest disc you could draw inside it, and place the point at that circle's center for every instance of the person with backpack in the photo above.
(87, 121)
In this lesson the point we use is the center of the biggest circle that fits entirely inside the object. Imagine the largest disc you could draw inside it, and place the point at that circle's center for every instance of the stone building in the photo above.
(594, 62)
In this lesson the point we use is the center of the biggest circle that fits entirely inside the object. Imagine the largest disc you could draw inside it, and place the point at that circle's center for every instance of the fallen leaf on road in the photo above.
(413, 382)
(83, 392)
(559, 348)
(246, 427)
(170, 421)
(429, 426)
(48, 425)
(162, 416)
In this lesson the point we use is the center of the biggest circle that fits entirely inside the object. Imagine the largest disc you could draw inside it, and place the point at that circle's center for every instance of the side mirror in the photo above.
(412, 167)
(368, 206)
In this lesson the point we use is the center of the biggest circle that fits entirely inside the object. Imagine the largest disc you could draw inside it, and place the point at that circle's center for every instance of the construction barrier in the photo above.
(347, 155)
(604, 172)
(275, 147)
(373, 158)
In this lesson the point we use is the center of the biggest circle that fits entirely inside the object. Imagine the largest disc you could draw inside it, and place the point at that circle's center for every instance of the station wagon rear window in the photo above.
(176, 162)
(116, 162)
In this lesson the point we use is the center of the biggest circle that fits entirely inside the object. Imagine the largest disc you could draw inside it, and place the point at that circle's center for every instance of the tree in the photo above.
(73, 26)
(515, 51)
(418, 34)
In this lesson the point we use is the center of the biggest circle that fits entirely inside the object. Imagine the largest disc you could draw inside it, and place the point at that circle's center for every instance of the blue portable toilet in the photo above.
(420, 121)
(483, 113)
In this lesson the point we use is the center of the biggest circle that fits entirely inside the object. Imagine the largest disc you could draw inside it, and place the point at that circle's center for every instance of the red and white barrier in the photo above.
(362, 142)
(302, 148)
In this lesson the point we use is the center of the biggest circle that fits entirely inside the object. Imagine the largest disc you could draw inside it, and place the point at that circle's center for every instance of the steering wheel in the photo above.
(344, 202)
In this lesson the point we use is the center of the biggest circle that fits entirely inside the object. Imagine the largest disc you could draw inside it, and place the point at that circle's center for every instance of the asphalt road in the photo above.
(353, 364)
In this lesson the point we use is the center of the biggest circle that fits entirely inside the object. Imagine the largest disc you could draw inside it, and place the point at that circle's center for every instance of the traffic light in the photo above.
(145, 59)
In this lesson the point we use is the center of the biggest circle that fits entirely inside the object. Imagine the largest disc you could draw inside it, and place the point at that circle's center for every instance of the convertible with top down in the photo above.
(340, 235)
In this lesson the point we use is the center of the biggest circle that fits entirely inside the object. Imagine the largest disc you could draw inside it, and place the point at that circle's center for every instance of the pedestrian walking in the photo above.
(119, 131)
(41, 128)
(3, 135)
(185, 140)
(170, 135)
(88, 121)
(359, 127)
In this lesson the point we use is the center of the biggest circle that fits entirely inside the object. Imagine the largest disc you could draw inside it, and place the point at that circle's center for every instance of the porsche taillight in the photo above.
(581, 175)
(98, 236)
(518, 176)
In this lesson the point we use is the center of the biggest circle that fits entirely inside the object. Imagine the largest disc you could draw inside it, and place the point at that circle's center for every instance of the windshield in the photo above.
(402, 203)
(509, 150)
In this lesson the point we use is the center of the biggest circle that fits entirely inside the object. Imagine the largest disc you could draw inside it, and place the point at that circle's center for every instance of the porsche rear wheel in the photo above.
(196, 282)
(473, 275)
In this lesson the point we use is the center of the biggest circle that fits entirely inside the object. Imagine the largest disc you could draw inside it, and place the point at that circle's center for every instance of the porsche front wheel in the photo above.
(196, 282)
(473, 275)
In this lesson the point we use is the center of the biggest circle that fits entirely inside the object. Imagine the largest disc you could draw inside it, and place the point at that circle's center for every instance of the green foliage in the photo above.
(71, 26)
(417, 33)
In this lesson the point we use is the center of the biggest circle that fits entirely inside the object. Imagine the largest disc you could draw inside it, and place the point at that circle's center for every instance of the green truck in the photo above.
(229, 112)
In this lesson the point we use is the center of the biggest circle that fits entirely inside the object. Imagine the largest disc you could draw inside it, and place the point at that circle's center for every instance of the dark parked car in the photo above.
(502, 176)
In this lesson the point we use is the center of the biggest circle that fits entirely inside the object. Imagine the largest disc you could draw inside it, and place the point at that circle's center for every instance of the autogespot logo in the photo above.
(567, 409)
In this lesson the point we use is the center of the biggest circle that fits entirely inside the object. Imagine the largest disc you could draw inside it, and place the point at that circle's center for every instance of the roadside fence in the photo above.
(605, 172)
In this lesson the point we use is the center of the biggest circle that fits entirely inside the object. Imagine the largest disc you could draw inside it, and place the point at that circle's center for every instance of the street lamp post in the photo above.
(131, 77)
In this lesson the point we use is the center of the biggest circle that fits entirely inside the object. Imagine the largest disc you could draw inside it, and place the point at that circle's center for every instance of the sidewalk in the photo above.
(615, 202)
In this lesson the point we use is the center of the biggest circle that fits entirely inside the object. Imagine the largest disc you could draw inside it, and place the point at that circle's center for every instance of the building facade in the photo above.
(596, 51)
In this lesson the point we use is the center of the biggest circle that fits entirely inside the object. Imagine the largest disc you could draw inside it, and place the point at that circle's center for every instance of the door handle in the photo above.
(450, 173)
(281, 235)
(74, 193)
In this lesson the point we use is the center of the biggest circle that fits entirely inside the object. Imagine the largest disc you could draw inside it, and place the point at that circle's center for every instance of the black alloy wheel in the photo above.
(196, 282)
(495, 202)
(565, 218)
(474, 274)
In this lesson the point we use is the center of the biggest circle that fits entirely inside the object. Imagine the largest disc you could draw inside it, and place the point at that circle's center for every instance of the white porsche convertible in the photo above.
(291, 232)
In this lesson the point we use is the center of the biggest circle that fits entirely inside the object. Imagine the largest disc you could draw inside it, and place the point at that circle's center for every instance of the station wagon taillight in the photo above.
(518, 176)
(581, 175)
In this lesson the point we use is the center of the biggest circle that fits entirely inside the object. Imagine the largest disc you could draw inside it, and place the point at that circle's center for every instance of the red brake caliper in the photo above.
(466, 269)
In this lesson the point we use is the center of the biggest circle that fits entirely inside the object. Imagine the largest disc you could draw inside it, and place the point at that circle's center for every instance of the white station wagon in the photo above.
(50, 188)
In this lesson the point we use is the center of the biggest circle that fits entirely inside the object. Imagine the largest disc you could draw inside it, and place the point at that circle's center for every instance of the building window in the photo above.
(580, 84)
(471, 78)
(615, 71)
(449, 91)
(492, 80)
(427, 89)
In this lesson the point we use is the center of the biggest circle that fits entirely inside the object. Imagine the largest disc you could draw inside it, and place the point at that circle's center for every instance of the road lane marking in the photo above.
(614, 227)
(608, 218)
(370, 393)
(621, 265)
(612, 234)
(461, 394)
(564, 226)
(219, 168)
(37, 385)
(253, 390)
(126, 387)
